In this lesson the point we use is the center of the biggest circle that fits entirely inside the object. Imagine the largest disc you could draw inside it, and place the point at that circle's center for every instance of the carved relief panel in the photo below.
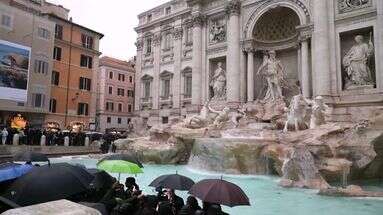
(217, 30)
(345, 6)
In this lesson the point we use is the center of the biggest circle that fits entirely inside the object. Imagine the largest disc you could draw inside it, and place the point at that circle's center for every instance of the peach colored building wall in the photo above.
(67, 93)
(115, 118)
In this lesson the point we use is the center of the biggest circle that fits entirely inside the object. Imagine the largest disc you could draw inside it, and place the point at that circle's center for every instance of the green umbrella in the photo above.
(119, 166)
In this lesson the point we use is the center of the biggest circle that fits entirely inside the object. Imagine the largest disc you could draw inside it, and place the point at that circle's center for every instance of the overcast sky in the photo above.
(114, 18)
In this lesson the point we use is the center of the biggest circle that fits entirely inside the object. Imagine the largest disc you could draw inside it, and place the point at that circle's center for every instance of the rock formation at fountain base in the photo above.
(313, 158)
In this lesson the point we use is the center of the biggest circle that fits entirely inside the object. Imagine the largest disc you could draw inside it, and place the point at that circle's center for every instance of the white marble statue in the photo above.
(296, 114)
(272, 70)
(318, 112)
(238, 115)
(218, 83)
(221, 118)
(199, 121)
(356, 63)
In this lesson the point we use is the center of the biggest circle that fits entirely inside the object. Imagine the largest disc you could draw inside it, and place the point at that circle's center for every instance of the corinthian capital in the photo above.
(177, 33)
(233, 7)
(198, 19)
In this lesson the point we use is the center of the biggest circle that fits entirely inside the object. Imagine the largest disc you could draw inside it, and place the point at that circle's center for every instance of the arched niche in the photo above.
(275, 28)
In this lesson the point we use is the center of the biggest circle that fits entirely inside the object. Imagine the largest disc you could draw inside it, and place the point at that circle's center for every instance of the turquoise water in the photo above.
(266, 197)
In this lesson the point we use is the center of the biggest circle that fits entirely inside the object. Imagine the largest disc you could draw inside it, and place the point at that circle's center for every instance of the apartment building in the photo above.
(26, 46)
(59, 80)
(116, 94)
(74, 75)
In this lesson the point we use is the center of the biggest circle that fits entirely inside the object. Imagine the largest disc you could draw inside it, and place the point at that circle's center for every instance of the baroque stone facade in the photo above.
(234, 52)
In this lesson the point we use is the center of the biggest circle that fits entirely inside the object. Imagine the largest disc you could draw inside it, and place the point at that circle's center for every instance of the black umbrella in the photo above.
(29, 156)
(219, 191)
(101, 178)
(173, 181)
(49, 183)
(125, 157)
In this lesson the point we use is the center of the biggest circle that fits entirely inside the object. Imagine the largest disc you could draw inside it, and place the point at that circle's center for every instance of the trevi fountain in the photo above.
(290, 89)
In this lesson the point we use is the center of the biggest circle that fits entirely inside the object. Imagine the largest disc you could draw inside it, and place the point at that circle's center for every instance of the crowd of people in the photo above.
(32, 136)
(130, 200)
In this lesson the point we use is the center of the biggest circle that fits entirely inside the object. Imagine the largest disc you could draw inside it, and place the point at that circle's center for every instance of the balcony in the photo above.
(166, 102)
(186, 100)
(146, 103)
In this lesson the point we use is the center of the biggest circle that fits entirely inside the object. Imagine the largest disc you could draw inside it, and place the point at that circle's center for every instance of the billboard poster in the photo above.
(14, 71)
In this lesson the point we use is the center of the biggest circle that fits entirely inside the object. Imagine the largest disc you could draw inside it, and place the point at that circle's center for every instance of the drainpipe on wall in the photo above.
(68, 77)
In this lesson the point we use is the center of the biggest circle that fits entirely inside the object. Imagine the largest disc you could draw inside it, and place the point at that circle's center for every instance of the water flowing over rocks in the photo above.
(312, 158)
(231, 156)
(299, 170)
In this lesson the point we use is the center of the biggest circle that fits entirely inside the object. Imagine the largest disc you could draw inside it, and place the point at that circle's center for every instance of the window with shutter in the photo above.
(57, 53)
(87, 41)
(52, 105)
(129, 108)
(82, 109)
(38, 100)
(86, 61)
(59, 32)
(55, 78)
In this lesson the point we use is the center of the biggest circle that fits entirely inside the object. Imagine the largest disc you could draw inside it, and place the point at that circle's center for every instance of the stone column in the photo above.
(321, 62)
(137, 85)
(305, 69)
(250, 75)
(43, 140)
(243, 82)
(233, 52)
(87, 141)
(155, 88)
(16, 139)
(198, 21)
(66, 141)
(176, 83)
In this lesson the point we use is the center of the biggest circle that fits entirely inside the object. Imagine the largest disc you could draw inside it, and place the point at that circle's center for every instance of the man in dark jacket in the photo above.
(176, 201)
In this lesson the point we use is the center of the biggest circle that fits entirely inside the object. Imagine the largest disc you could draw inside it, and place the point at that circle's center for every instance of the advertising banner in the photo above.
(14, 71)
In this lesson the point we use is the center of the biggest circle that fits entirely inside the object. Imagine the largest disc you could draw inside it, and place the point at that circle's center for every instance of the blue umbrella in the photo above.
(11, 171)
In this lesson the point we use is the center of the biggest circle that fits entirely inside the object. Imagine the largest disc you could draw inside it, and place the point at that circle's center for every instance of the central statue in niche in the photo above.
(272, 70)
(218, 83)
